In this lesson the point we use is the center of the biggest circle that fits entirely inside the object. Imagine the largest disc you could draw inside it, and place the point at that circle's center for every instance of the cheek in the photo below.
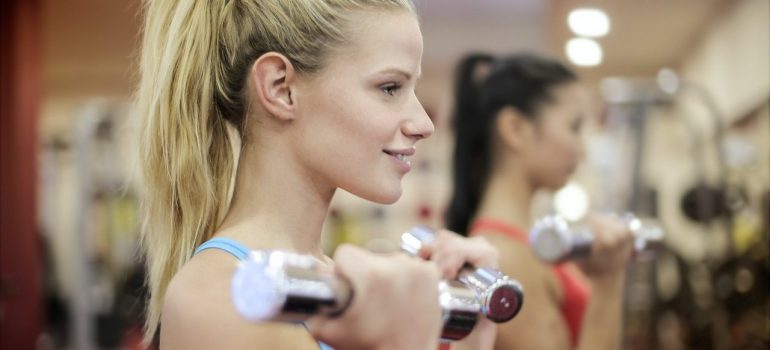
(341, 123)
(328, 138)
(565, 144)
(355, 138)
(364, 136)
(557, 155)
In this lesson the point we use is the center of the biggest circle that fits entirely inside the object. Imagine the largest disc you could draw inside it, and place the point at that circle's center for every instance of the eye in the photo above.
(577, 125)
(390, 88)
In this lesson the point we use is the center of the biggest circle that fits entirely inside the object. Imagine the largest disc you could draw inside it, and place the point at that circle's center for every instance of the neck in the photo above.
(507, 198)
(275, 204)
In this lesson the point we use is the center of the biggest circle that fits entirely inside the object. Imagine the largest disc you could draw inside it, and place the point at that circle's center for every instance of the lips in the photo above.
(401, 154)
(404, 158)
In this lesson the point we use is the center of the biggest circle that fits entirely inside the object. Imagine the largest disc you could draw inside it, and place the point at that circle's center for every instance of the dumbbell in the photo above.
(288, 287)
(501, 297)
(554, 240)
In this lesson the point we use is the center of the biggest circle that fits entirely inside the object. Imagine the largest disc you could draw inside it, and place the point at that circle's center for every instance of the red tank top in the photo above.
(576, 292)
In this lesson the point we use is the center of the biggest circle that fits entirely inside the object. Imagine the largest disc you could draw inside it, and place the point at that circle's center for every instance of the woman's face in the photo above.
(360, 117)
(556, 147)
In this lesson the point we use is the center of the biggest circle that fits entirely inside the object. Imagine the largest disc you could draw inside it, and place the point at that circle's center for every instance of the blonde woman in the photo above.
(321, 95)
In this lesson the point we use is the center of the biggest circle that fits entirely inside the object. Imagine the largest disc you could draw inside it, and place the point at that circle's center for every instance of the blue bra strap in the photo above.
(240, 252)
(321, 345)
(236, 249)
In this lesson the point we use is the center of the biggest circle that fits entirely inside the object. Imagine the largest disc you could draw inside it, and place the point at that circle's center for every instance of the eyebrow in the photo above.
(398, 71)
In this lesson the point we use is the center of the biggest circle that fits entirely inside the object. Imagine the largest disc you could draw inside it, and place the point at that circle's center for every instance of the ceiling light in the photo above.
(584, 52)
(592, 23)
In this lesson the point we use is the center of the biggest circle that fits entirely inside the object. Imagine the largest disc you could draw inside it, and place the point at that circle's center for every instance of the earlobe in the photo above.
(273, 76)
(513, 129)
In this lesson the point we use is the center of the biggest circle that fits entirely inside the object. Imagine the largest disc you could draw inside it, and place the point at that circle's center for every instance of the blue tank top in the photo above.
(240, 252)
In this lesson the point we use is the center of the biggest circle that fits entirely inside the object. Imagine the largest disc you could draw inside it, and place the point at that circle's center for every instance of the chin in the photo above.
(386, 197)
(555, 184)
(380, 194)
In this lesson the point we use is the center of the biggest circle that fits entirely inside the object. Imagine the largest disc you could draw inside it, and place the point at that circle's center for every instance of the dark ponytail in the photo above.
(524, 82)
(468, 168)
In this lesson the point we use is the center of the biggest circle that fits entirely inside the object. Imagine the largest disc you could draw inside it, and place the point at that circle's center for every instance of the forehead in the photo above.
(380, 40)
(570, 94)
(570, 99)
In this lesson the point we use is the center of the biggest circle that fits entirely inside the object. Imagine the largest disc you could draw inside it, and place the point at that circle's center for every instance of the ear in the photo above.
(513, 129)
(273, 77)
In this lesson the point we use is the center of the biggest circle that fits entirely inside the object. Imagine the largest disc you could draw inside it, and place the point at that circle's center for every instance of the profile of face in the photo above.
(554, 147)
(360, 114)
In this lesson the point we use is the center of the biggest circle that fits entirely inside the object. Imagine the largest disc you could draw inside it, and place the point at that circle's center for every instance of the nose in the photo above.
(419, 125)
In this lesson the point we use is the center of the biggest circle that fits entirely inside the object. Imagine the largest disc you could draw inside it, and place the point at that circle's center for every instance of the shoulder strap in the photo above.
(239, 251)
(499, 227)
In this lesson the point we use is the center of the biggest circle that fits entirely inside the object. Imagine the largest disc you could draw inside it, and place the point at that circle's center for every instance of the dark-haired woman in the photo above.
(517, 122)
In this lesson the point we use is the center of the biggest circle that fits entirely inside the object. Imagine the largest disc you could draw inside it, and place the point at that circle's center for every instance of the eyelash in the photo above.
(577, 126)
(390, 89)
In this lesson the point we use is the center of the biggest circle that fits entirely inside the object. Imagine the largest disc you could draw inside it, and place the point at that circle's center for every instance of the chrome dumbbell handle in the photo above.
(555, 240)
(459, 310)
(288, 287)
(501, 297)
(646, 231)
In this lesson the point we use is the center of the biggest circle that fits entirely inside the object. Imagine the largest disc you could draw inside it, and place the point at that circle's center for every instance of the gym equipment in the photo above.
(554, 240)
(289, 287)
(501, 297)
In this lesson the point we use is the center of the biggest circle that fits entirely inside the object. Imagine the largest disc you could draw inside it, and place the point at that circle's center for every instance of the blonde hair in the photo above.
(195, 58)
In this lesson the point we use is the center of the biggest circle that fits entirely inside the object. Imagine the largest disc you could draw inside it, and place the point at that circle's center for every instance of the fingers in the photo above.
(346, 256)
(609, 232)
(386, 288)
(451, 251)
(611, 248)
(350, 263)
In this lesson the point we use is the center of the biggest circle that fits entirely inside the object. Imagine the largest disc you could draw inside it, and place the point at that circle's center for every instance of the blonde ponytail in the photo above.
(185, 147)
(195, 58)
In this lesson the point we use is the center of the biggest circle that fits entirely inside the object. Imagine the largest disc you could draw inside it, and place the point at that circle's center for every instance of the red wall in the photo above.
(20, 265)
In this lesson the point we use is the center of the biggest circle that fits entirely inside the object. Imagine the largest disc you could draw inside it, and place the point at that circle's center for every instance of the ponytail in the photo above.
(471, 157)
(185, 147)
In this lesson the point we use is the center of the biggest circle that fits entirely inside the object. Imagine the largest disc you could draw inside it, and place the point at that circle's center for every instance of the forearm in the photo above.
(602, 323)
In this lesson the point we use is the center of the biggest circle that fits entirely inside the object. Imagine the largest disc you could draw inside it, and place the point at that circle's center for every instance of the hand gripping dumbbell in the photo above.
(555, 240)
(501, 297)
(289, 287)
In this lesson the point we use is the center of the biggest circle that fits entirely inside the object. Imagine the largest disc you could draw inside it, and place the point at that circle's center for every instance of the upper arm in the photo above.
(539, 324)
(198, 314)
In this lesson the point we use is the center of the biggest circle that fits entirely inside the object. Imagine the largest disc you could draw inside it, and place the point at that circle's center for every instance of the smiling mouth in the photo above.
(404, 159)
(400, 156)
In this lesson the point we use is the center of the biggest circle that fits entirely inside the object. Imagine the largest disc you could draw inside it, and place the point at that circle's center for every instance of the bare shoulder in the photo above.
(515, 256)
(539, 325)
(518, 261)
(198, 312)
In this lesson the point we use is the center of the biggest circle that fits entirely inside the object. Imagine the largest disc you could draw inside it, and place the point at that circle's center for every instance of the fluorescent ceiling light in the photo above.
(586, 22)
(584, 52)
